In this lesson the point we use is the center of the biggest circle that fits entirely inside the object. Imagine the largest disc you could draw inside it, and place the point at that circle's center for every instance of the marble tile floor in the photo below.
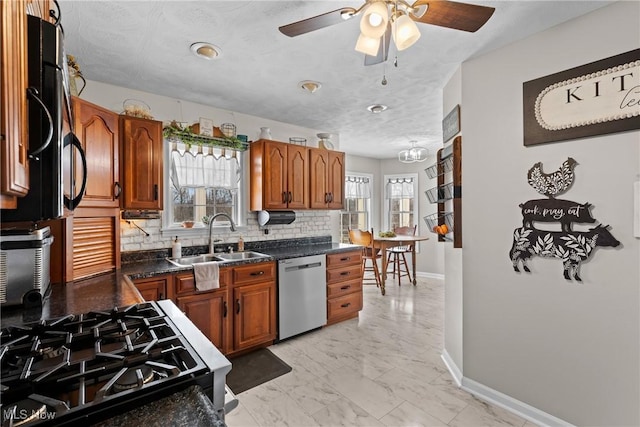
(382, 369)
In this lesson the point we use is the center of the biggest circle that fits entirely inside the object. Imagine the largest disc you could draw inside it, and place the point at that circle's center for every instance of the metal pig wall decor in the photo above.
(572, 247)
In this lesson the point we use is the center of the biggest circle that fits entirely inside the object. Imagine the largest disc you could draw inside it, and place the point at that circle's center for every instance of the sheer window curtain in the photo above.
(357, 187)
(202, 166)
(399, 188)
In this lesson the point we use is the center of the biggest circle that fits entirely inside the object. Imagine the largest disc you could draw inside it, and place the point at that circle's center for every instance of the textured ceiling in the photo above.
(144, 45)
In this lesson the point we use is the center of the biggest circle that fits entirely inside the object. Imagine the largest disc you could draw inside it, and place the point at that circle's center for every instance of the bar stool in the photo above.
(371, 253)
(397, 253)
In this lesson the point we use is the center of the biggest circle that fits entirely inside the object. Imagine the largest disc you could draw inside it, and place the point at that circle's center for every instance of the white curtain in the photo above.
(399, 188)
(203, 166)
(357, 187)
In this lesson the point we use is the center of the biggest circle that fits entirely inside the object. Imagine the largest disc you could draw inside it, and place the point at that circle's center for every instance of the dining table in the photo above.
(383, 243)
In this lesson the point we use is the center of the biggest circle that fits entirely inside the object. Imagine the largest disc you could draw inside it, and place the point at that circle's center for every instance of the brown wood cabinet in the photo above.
(279, 176)
(14, 174)
(141, 163)
(327, 179)
(241, 314)
(97, 131)
(95, 244)
(154, 288)
(344, 285)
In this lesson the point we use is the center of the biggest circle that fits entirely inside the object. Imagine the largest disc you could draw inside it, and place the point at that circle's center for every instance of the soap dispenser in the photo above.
(176, 248)
(240, 244)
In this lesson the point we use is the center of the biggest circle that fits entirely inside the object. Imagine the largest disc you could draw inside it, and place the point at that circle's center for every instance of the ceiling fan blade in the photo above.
(317, 22)
(383, 50)
(451, 14)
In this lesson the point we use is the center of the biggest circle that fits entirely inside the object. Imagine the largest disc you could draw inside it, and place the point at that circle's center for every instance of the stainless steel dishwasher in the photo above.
(302, 295)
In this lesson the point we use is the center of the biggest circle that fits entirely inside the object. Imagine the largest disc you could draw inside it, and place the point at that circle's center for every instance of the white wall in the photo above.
(453, 295)
(569, 349)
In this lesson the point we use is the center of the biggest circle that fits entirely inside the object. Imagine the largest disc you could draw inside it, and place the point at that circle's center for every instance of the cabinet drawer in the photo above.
(253, 273)
(344, 306)
(343, 288)
(185, 283)
(344, 274)
(344, 258)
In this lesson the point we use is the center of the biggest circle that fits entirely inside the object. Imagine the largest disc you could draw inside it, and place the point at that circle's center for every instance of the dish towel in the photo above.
(207, 275)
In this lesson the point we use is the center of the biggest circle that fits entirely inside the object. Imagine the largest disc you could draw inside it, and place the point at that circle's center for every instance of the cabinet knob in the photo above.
(344, 288)
(345, 305)
(117, 190)
(257, 273)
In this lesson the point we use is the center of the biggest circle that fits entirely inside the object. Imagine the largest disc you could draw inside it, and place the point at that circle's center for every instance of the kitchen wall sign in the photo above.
(572, 247)
(451, 124)
(594, 99)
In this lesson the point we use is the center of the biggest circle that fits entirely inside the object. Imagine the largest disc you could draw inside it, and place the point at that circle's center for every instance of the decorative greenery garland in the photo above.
(175, 132)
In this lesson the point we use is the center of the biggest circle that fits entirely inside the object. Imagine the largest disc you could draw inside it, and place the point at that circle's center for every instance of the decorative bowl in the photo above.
(188, 224)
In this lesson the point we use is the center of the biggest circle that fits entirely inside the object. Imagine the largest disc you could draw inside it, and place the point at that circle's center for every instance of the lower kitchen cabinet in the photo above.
(209, 312)
(254, 319)
(248, 290)
(344, 285)
(153, 288)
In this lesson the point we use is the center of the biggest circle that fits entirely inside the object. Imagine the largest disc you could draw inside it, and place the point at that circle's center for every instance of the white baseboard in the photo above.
(430, 275)
(452, 367)
(497, 398)
(519, 408)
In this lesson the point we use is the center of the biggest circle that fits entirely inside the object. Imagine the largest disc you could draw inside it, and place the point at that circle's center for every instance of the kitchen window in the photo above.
(357, 204)
(203, 181)
(401, 205)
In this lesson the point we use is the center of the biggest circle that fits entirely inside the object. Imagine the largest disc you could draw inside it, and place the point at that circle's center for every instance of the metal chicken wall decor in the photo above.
(572, 247)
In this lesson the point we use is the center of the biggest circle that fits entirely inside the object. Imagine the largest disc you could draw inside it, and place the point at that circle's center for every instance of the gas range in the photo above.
(80, 369)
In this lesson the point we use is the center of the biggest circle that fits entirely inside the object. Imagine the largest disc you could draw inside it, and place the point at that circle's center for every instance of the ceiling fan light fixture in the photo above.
(374, 20)
(368, 45)
(404, 31)
(206, 51)
(309, 86)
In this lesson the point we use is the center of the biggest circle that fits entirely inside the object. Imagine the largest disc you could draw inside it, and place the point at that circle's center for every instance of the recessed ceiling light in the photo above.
(206, 50)
(377, 108)
(309, 86)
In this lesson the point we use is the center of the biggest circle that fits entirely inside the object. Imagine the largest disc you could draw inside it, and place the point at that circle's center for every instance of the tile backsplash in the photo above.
(307, 224)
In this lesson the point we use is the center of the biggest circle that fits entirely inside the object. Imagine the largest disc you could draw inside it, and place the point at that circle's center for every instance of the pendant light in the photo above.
(414, 154)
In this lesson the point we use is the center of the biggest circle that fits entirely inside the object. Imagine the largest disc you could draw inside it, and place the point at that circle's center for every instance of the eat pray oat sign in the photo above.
(593, 99)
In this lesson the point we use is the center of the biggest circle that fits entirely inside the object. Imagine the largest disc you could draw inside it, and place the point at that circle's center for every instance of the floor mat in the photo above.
(255, 368)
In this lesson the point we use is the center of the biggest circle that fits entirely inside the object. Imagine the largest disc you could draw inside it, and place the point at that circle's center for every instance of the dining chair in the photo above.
(398, 253)
(371, 253)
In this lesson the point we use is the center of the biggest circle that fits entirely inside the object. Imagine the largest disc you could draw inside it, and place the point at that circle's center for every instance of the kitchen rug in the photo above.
(252, 369)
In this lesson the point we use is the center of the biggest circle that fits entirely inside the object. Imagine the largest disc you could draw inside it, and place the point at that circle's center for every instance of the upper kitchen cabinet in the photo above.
(327, 179)
(279, 176)
(141, 163)
(97, 131)
(14, 178)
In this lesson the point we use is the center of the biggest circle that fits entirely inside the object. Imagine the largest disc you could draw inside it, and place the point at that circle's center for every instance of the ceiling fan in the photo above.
(382, 19)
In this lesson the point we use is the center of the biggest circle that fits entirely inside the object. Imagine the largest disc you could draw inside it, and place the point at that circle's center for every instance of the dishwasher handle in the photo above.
(303, 266)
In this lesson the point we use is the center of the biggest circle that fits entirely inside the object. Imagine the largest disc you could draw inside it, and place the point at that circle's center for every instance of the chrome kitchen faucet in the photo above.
(233, 228)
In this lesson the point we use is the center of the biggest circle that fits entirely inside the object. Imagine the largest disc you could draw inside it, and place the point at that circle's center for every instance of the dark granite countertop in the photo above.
(286, 252)
(185, 408)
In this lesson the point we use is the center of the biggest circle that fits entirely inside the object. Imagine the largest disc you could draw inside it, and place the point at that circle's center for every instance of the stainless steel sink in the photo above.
(235, 256)
(190, 260)
(220, 257)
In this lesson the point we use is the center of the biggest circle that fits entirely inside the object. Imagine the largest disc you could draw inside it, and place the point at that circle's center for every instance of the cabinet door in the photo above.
(142, 163)
(319, 164)
(297, 177)
(274, 176)
(96, 245)
(14, 175)
(97, 130)
(209, 312)
(254, 308)
(153, 289)
(335, 177)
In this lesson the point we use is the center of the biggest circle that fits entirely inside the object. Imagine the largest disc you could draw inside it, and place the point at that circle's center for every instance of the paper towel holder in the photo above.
(275, 217)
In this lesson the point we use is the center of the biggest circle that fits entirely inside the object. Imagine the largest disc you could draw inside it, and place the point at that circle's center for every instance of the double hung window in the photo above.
(357, 206)
(401, 204)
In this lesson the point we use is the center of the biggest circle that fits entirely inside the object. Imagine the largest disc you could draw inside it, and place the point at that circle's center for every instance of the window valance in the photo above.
(357, 187)
(204, 166)
(399, 188)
